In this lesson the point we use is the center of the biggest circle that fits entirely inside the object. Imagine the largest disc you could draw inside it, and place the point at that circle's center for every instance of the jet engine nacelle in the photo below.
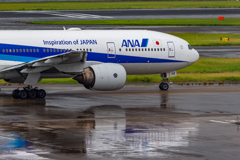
(103, 77)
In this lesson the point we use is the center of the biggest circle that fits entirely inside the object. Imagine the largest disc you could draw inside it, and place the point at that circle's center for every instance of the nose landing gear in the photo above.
(29, 92)
(164, 85)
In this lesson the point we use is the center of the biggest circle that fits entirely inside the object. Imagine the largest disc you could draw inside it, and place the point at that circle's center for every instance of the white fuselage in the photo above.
(139, 51)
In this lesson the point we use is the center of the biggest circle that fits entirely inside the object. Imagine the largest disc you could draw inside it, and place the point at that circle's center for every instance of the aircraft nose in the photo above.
(196, 56)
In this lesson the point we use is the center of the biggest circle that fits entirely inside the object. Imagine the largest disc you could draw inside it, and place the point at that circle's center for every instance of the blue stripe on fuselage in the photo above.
(92, 56)
(17, 58)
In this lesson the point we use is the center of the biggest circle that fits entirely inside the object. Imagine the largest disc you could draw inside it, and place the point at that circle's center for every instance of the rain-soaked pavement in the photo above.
(137, 122)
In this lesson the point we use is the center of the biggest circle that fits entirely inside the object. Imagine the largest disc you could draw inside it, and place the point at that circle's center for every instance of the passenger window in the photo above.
(163, 49)
(43, 50)
(129, 49)
(142, 49)
(3, 50)
(126, 49)
(148, 49)
(154, 49)
(87, 49)
(136, 49)
(20, 50)
(83, 49)
(13, 50)
(133, 49)
(23, 50)
(10, 50)
(139, 49)
(30, 50)
(6, 50)
(16, 50)
(151, 49)
(27, 50)
(145, 49)
(119, 49)
(157, 49)
(91, 50)
(33, 50)
(37, 50)
(50, 50)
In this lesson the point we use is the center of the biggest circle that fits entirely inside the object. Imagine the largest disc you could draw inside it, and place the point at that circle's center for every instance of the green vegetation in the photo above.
(4, 6)
(188, 77)
(150, 22)
(205, 69)
(213, 65)
(208, 39)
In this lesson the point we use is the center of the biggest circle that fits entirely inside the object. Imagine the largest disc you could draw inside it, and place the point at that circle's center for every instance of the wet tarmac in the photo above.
(183, 13)
(137, 122)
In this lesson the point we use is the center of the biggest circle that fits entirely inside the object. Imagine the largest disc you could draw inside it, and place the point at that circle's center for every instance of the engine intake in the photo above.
(103, 77)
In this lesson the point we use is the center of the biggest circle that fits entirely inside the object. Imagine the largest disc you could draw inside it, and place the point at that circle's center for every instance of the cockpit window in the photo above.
(190, 47)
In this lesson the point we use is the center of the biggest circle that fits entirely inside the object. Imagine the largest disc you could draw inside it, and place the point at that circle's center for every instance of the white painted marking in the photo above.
(79, 15)
(220, 122)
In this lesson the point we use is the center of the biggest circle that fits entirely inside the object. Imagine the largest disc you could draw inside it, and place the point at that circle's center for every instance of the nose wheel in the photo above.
(163, 86)
(29, 92)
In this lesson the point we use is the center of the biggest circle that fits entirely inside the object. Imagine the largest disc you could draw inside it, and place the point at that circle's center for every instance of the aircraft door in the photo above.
(111, 50)
(171, 49)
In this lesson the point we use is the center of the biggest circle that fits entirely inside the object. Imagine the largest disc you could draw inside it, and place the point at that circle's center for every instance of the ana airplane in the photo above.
(98, 59)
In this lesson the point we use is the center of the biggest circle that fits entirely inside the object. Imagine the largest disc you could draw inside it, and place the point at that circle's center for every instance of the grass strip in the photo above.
(209, 39)
(6, 6)
(187, 77)
(149, 22)
(205, 69)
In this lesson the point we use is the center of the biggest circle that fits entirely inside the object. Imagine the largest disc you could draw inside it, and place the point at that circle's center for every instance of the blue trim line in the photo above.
(92, 56)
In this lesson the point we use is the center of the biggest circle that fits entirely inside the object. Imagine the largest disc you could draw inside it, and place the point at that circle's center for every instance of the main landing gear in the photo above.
(164, 85)
(29, 92)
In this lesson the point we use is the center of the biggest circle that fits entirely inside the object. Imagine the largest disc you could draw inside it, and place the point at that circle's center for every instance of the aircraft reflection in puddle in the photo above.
(110, 129)
(9, 144)
(17, 148)
(134, 137)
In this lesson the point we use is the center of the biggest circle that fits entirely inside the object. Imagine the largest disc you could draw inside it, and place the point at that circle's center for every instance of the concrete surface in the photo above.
(137, 122)
(193, 13)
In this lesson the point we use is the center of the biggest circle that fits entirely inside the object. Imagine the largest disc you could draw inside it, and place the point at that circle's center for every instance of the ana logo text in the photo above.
(134, 43)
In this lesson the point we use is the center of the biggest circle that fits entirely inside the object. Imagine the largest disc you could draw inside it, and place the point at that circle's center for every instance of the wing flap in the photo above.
(50, 61)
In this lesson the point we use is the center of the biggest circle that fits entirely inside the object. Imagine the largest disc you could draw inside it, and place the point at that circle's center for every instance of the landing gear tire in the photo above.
(163, 86)
(41, 93)
(23, 94)
(29, 92)
(15, 94)
(33, 93)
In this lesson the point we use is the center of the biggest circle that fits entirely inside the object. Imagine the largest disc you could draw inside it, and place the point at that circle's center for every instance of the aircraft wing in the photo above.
(48, 62)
